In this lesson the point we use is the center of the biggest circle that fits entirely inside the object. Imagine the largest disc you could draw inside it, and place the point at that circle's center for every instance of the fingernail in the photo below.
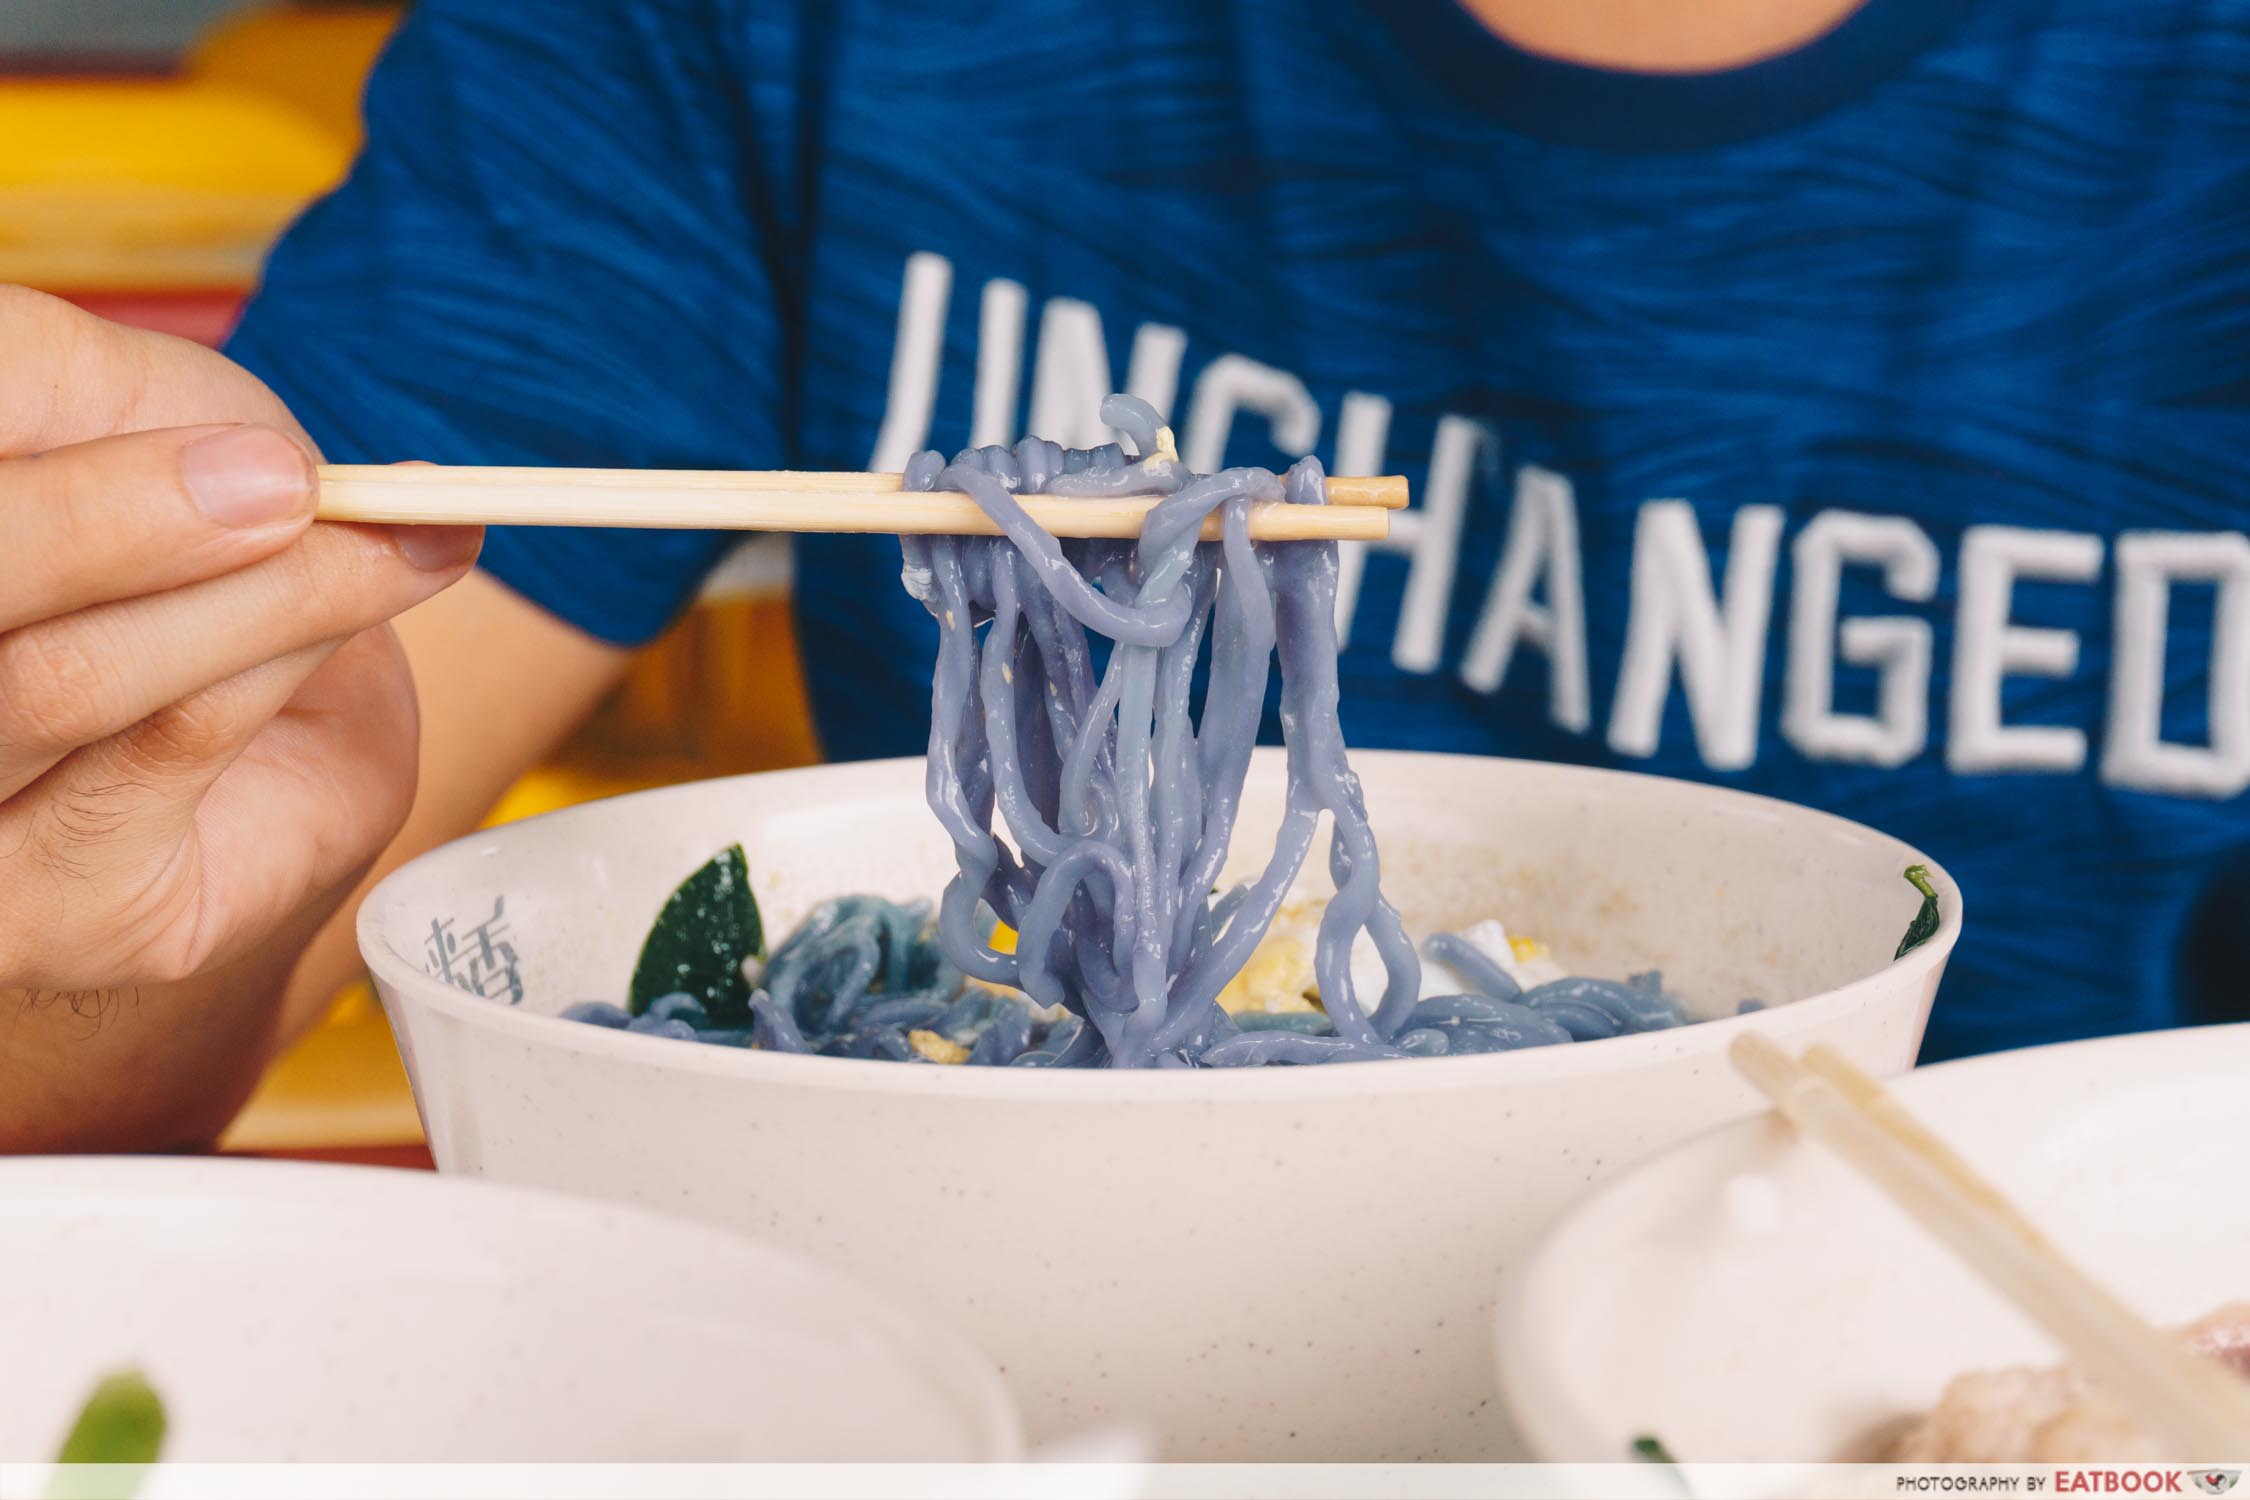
(434, 549)
(247, 476)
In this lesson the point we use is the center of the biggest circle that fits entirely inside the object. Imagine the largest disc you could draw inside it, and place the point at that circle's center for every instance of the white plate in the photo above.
(1275, 1264)
(1747, 1297)
(288, 1311)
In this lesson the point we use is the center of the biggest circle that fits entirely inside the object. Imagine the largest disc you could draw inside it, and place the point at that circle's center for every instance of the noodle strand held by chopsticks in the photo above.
(1116, 792)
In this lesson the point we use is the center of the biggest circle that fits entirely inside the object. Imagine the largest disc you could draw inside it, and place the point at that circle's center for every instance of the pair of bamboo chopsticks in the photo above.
(730, 500)
(2200, 1408)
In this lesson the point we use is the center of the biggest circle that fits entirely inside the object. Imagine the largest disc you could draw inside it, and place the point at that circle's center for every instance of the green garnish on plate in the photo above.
(708, 927)
(1649, 1449)
(1925, 921)
(122, 1423)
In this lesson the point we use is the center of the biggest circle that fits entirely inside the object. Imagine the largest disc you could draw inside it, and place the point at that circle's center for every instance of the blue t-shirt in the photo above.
(1866, 427)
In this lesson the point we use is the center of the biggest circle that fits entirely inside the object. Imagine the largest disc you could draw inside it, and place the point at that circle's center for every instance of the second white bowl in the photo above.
(294, 1312)
(1747, 1298)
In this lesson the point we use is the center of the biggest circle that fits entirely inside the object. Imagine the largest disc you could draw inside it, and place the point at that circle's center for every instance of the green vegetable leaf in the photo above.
(122, 1423)
(1649, 1450)
(1925, 921)
(706, 930)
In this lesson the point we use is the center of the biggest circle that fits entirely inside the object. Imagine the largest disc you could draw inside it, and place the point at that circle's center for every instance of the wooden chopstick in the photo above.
(727, 500)
(2199, 1407)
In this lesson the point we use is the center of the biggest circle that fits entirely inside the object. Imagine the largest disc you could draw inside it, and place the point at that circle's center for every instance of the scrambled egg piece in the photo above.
(1279, 976)
(936, 1048)
(1003, 940)
(1525, 960)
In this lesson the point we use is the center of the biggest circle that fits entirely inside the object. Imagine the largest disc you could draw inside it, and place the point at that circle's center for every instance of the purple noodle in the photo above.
(1093, 814)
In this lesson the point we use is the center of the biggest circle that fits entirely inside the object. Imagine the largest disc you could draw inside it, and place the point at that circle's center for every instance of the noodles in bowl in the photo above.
(864, 977)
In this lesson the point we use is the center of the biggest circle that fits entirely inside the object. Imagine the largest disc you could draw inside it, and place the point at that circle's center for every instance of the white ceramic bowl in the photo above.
(1281, 1264)
(286, 1311)
(1746, 1297)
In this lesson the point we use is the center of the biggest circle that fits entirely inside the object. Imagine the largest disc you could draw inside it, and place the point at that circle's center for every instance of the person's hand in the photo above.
(206, 730)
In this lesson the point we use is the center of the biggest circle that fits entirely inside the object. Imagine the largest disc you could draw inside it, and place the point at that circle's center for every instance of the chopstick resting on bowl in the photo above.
(1358, 509)
(2197, 1405)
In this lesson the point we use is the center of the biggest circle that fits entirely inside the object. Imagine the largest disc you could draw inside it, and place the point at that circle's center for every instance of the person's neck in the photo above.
(1660, 36)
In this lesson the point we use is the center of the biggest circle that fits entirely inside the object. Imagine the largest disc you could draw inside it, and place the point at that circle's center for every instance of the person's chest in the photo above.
(1725, 455)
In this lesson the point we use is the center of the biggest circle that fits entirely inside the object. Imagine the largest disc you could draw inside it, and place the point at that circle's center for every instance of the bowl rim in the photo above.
(402, 982)
(949, 1368)
(1565, 1431)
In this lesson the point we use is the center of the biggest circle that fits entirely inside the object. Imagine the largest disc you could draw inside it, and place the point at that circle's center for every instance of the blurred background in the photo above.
(150, 152)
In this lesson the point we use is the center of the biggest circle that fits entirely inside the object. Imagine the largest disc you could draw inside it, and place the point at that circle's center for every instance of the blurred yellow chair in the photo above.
(313, 59)
(153, 200)
(150, 184)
